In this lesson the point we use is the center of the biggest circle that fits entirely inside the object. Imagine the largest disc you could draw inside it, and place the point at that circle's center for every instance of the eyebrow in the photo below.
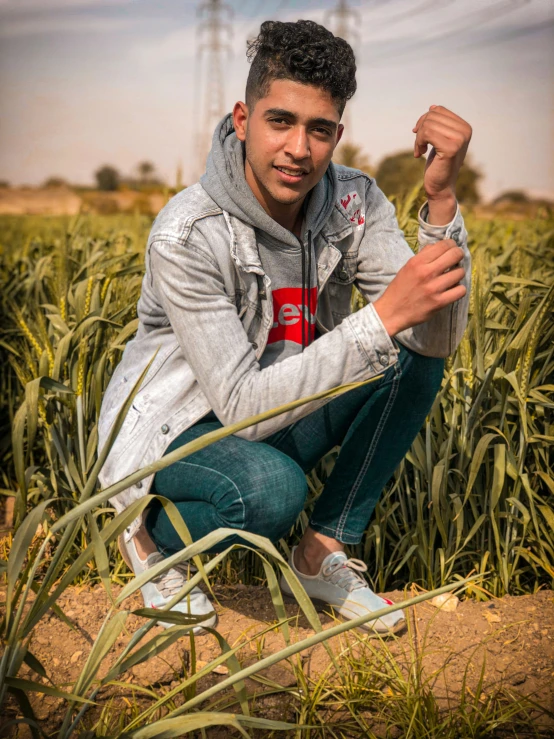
(288, 114)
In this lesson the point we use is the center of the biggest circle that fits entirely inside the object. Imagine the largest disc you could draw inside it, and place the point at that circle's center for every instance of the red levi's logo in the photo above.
(387, 601)
(287, 315)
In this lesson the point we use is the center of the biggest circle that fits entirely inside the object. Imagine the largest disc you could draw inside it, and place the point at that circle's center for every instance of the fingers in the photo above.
(448, 280)
(443, 129)
(450, 296)
(433, 251)
(421, 117)
(440, 112)
(451, 259)
(445, 112)
(446, 261)
(447, 139)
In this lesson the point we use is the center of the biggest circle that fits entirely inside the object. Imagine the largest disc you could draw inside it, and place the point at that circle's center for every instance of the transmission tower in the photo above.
(342, 20)
(211, 49)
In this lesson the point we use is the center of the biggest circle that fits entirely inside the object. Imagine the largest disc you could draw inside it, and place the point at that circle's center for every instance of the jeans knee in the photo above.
(280, 500)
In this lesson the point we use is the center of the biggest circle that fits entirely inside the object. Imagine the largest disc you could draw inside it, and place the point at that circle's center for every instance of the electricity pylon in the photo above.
(341, 20)
(212, 105)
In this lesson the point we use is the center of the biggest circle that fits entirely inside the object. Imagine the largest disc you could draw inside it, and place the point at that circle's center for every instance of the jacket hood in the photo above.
(225, 183)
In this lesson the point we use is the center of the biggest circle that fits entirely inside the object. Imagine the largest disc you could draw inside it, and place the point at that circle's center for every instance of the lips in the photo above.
(290, 175)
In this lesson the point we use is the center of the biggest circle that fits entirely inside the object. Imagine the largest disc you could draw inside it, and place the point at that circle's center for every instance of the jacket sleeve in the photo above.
(384, 250)
(204, 318)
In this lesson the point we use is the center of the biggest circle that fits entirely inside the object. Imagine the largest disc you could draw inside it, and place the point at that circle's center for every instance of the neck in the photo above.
(288, 215)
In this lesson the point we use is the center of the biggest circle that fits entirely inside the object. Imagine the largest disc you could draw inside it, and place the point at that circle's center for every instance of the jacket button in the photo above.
(343, 274)
(139, 484)
(165, 428)
(383, 359)
(455, 234)
(254, 345)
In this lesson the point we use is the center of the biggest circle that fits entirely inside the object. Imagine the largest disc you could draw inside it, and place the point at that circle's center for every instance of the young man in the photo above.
(246, 297)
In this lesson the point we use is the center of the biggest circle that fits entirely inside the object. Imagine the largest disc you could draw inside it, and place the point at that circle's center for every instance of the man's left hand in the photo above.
(449, 136)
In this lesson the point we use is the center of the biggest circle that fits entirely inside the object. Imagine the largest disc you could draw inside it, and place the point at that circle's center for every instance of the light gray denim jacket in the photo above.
(206, 306)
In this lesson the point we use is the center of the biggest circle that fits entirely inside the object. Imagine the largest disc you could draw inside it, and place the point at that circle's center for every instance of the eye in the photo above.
(278, 120)
(324, 131)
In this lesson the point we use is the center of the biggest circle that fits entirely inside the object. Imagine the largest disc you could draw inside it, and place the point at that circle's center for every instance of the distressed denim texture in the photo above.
(205, 312)
(261, 487)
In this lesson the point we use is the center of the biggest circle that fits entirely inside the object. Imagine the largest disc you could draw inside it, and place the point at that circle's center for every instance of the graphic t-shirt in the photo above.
(283, 264)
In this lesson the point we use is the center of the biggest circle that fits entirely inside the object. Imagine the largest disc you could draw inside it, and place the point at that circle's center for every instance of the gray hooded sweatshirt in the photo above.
(282, 254)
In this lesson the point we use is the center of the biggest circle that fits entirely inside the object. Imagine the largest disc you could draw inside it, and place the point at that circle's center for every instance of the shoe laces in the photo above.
(345, 573)
(169, 583)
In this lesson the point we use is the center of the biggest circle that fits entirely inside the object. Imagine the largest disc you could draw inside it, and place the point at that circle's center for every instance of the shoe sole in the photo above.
(197, 630)
(322, 605)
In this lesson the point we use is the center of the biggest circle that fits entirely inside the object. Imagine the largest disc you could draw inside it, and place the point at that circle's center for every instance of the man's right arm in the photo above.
(191, 290)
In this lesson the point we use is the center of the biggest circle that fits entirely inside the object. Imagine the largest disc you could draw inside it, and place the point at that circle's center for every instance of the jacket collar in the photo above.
(244, 248)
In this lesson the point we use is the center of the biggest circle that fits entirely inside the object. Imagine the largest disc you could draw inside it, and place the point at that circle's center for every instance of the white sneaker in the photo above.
(159, 591)
(339, 584)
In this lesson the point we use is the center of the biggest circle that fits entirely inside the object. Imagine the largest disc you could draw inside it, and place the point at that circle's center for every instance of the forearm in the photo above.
(442, 210)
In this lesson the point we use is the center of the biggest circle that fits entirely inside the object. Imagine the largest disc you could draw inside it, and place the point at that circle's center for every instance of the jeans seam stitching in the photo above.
(233, 483)
(371, 452)
(330, 528)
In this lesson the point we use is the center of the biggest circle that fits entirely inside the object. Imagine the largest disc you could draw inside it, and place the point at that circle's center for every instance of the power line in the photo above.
(342, 21)
(213, 108)
(446, 32)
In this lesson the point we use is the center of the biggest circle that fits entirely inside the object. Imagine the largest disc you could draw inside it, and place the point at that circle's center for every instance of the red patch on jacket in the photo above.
(352, 204)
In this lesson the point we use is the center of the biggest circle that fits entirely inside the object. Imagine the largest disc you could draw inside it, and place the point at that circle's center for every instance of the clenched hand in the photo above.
(449, 136)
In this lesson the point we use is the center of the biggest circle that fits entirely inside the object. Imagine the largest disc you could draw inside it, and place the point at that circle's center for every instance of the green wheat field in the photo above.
(470, 509)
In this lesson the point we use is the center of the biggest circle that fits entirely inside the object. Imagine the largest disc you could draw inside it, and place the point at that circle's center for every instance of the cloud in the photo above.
(25, 6)
(69, 24)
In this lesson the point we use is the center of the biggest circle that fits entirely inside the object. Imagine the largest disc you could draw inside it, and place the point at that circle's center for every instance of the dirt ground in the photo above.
(514, 633)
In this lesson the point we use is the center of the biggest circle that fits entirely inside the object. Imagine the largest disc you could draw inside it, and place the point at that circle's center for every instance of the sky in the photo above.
(85, 83)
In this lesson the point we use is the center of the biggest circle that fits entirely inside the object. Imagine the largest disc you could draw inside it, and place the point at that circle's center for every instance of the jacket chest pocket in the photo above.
(250, 315)
(340, 284)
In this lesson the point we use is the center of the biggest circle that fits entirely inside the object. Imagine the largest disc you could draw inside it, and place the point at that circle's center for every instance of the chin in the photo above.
(287, 197)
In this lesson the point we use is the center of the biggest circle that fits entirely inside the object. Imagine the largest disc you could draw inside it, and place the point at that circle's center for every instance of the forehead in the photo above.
(305, 101)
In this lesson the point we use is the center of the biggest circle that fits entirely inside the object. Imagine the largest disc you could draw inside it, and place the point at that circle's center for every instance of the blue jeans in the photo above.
(261, 487)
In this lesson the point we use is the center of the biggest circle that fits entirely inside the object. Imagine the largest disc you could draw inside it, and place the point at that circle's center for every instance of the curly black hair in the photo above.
(304, 52)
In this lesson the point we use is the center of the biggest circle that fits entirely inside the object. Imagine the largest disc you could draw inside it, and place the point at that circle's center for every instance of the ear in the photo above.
(340, 131)
(240, 119)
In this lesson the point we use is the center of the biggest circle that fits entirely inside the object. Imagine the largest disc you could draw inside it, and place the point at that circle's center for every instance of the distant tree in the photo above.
(107, 178)
(398, 174)
(467, 186)
(179, 178)
(512, 196)
(4, 183)
(352, 155)
(54, 182)
(146, 170)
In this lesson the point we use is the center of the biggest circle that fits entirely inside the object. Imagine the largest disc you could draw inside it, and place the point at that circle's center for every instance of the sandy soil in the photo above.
(515, 634)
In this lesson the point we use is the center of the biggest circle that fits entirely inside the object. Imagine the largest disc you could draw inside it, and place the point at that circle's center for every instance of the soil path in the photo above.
(514, 634)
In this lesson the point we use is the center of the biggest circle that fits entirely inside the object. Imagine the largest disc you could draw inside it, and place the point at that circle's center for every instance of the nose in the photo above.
(297, 144)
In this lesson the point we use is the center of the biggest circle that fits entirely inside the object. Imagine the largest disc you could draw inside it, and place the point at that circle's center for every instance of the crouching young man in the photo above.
(247, 300)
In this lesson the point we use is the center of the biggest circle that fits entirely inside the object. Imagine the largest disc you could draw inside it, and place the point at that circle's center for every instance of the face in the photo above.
(290, 136)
